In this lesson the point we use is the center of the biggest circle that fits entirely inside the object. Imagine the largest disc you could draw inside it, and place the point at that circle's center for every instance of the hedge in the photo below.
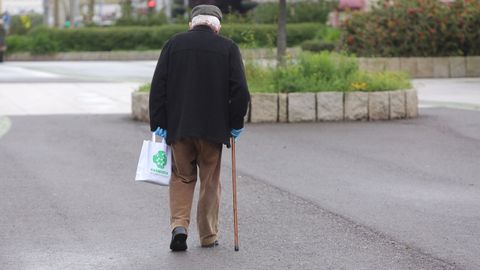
(144, 38)
(400, 28)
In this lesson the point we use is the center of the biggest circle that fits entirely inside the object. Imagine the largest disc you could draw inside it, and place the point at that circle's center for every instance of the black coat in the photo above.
(199, 88)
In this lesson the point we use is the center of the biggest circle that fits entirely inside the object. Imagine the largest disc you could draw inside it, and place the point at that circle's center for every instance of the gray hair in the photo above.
(211, 21)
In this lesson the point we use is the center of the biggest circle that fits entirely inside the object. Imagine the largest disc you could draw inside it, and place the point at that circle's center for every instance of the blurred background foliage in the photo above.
(415, 28)
(392, 28)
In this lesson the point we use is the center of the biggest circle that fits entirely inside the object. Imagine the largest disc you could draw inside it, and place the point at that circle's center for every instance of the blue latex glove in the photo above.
(236, 132)
(161, 132)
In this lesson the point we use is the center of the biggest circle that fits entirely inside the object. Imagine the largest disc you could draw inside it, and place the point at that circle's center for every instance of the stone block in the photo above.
(378, 105)
(356, 106)
(409, 65)
(376, 64)
(458, 67)
(473, 66)
(411, 103)
(424, 67)
(140, 106)
(264, 108)
(282, 107)
(330, 106)
(301, 107)
(397, 104)
(392, 64)
(363, 64)
(441, 67)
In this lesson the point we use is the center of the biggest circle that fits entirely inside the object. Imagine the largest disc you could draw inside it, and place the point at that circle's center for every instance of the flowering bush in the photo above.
(415, 28)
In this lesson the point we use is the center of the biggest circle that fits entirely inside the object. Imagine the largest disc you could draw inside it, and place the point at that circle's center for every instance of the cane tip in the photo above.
(237, 248)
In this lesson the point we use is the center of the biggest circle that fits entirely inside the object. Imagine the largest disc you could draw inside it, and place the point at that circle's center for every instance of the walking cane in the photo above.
(234, 187)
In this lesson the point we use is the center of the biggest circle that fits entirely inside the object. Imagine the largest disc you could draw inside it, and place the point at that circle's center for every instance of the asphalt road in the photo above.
(383, 195)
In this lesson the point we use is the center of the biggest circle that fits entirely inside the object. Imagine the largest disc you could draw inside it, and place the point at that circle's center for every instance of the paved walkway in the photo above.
(461, 93)
(105, 87)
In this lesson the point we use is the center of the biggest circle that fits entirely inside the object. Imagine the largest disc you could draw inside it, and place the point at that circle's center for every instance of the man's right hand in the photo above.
(161, 132)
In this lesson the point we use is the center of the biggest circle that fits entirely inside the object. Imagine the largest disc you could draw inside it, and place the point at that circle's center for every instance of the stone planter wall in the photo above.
(425, 67)
(149, 55)
(311, 107)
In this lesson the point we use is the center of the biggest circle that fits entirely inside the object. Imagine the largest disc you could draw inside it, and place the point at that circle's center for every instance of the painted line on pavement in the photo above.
(451, 105)
(5, 125)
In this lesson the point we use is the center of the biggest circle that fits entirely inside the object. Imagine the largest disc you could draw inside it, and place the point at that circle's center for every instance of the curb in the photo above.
(425, 67)
(315, 107)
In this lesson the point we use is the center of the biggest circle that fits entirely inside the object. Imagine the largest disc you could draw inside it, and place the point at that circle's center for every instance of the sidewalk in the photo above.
(450, 93)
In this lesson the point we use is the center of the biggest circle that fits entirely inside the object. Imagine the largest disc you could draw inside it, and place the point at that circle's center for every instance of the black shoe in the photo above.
(214, 244)
(179, 239)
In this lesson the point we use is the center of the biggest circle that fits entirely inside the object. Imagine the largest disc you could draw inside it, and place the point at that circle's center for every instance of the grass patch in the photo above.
(317, 72)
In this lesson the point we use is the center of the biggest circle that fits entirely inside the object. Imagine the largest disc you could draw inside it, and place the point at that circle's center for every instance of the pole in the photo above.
(72, 13)
(56, 13)
(46, 12)
(234, 191)
(282, 32)
(91, 10)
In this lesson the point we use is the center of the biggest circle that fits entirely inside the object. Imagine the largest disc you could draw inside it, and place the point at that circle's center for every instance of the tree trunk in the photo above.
(56, 13)
(282, 32)
(91, 11)
(73, 14)
(127, 9)
(46, 12)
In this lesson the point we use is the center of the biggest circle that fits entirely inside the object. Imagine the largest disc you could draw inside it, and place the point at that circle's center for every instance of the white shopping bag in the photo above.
(155, 163)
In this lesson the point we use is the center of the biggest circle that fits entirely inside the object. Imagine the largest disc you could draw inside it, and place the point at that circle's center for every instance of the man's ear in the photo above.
(219, 28)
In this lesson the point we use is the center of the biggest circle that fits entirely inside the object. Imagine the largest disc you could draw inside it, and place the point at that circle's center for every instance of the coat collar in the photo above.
(204, 28)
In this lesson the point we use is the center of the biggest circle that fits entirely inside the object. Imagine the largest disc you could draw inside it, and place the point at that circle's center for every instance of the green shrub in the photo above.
(22, 24)
(305, 11)
(329, 34)
(142, 38)
(375, 81)
(42, 44)
(415, 28)
(259, 78)
(144, 87)
(18, 44)
(314, 72)
(317, 46)
(149, 20)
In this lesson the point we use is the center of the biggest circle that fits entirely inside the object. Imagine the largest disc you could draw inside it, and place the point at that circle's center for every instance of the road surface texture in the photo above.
(354, 195)
(385, 195)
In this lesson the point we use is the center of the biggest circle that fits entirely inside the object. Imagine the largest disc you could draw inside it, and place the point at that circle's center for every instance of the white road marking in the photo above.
(5, 125)
(65, 98)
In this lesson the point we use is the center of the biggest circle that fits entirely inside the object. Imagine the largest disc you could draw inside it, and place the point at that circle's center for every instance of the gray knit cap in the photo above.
(207, 10)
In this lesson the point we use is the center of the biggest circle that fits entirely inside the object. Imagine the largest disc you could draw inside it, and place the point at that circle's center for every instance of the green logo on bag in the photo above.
(160, 159)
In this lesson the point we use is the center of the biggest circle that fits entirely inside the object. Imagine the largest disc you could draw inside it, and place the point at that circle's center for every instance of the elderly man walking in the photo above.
(198, 100)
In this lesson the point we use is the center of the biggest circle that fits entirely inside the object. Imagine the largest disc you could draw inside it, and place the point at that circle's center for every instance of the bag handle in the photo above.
(154, 137)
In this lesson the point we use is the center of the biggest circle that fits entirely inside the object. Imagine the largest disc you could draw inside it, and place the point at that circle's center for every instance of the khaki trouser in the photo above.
(187, 155)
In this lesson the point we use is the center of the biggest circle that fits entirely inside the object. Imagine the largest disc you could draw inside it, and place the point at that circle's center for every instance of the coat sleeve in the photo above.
(158, 91)
(238, 95)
